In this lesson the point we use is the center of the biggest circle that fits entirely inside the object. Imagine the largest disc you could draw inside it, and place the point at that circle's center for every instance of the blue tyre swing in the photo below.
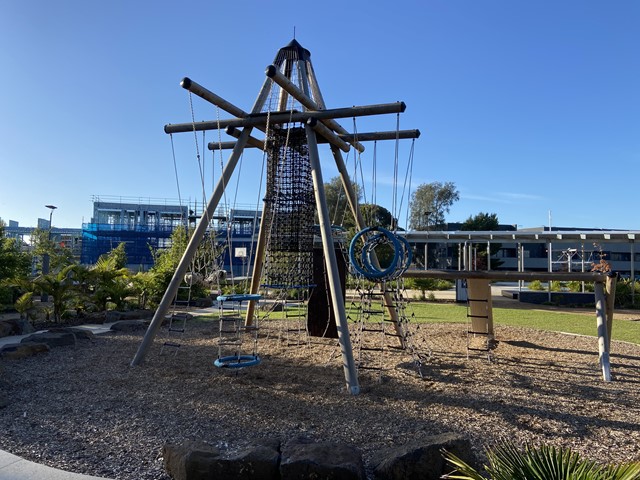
(363, 262)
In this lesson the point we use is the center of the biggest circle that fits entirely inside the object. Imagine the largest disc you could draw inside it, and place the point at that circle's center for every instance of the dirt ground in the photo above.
(86, 409)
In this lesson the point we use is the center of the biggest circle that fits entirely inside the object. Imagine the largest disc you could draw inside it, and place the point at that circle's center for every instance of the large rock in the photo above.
(129, 326)
(6, 328)
(303, 459)
(80, 333)
(423, 460)
(15, 326)
(200, 461)
(136, 314)
(16, 351)
(53, 339)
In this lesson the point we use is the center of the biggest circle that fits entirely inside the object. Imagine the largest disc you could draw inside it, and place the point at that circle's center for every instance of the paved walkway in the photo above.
(16, 468)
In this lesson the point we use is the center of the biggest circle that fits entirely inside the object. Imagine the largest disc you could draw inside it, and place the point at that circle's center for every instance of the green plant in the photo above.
(626, 290)
(24, 305)
(574, 286)
(506, 462)
(536, 285)
(556, 286)
(60, 287)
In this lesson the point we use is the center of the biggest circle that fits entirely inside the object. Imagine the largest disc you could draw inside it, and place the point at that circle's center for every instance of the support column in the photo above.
(610, 292)
(603, 337)
(348, 363)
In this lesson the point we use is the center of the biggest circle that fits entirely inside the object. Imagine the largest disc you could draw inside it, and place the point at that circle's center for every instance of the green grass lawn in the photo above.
(555, 321)
(625, 330)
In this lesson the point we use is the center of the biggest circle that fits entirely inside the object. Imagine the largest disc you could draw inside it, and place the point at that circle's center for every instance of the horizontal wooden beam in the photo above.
(362, 137)
(260, 119)
(507, 275)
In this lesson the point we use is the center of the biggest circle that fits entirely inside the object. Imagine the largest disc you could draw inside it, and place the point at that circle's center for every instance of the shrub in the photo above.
(536, 285)
(624, 291)
(506, 462)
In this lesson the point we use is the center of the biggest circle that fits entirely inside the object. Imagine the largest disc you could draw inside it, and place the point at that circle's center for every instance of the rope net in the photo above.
(290, 210)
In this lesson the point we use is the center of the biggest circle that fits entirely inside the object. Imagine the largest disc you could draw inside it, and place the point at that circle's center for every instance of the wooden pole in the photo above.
(603, 338)
(192, 246)
(480, 306)
(211, 97)
(254, 142)
(337, 300)
(260, 119)
(506, 275)
(198, 235)
(610, 291)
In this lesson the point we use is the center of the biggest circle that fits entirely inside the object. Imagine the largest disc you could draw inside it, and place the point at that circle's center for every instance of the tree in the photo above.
(484, 222)
(430, 202)
(60, 286)
(117, 257)
(376, 216)
(14, 263)
(60, 257)
(337, 204)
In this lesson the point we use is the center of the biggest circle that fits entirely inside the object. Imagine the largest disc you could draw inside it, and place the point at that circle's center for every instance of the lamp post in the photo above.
(45, 257)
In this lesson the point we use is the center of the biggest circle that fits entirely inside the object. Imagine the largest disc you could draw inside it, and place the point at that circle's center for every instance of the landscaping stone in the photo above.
(304, 459)
(423, 460)
(16, 351)
(129, 326)
(15, 326)
(200, 461)
(53, 339)
(80, 333)
(136, 314)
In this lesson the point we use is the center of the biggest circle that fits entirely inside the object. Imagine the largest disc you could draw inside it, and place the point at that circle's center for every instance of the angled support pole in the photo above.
(198, 235)
(337, 300)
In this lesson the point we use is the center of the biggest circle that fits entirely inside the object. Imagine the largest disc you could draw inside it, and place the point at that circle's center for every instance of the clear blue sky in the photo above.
(529, 107)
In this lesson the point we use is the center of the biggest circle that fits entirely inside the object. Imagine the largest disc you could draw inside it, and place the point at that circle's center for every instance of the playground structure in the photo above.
(292, 125)
(604, 292)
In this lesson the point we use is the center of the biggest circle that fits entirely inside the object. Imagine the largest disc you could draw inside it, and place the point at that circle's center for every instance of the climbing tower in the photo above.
(291, 114)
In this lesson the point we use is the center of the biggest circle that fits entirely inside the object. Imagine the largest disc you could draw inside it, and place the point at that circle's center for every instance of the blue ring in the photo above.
(237, 361)
(367, 269)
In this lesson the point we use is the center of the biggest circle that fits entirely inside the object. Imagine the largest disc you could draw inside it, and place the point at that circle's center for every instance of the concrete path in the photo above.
(16, 468)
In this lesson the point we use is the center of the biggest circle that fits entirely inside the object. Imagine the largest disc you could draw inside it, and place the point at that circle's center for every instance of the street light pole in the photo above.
(45, 257)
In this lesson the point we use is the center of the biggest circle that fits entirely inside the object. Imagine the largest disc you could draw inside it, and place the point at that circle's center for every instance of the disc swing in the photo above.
(232, 329)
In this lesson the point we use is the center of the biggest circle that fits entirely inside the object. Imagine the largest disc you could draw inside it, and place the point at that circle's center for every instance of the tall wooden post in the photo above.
(348, 362)
(610, 291)
(603, 334)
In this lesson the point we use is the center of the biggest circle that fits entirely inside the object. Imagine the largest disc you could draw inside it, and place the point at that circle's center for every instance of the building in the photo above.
(146, 225)
(533, 249)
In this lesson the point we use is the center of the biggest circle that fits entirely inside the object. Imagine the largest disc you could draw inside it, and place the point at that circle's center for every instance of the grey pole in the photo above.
(198, 234)
(348, 363)
(603, 337)
(194, 242)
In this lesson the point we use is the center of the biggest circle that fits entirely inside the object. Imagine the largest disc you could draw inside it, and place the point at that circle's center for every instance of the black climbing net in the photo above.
(290, 210)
